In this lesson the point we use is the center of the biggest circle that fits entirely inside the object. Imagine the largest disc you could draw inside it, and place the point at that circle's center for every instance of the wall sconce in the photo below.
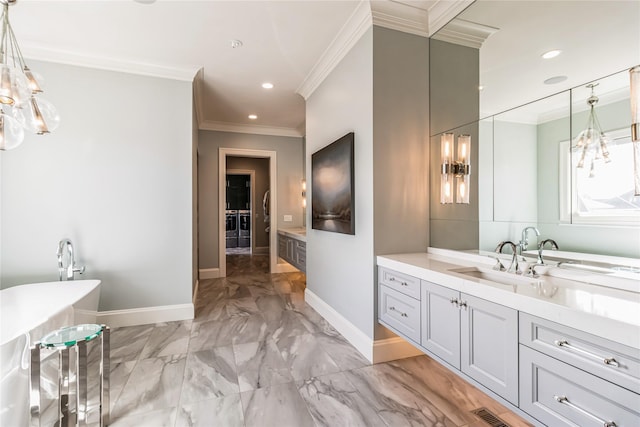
(304, 193)
(634, 75)
(459, 168)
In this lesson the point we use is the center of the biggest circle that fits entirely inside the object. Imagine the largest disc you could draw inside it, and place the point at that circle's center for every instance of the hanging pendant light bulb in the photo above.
(19, 87)
(592, 142)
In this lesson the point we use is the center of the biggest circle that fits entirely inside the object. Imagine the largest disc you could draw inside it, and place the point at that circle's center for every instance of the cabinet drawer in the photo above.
(400, 312)
(607, 359)
(408, 285)
(282, 246)
(560, 395)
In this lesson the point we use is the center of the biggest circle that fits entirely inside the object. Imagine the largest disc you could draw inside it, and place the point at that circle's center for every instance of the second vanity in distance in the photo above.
(292, 247)
(559, 351)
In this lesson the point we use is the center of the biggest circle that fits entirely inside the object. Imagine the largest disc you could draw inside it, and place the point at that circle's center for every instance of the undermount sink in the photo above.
(495, 276)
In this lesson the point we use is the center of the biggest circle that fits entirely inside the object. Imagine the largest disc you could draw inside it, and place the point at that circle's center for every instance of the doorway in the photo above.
(255, 206)
(240, 208)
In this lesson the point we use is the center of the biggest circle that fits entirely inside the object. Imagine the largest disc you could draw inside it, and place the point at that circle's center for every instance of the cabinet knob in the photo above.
(455, 301)
(463, 304)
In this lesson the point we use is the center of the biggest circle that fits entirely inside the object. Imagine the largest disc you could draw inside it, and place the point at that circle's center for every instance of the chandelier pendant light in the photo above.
(21, 107)
(592, 142)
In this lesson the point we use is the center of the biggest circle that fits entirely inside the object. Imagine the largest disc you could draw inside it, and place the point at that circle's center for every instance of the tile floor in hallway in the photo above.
(257, 355)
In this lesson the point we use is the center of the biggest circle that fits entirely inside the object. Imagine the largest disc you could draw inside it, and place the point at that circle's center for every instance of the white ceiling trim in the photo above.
(198, 83)
(250, 129)
(465, 33)
(355, 27)
(444, 11)
(41, 53)
(400, 17)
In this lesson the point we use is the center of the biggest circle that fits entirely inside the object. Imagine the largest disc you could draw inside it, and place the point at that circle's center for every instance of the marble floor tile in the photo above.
(288, 323)
(334, 401)
(259, 365)
(209, 373)
(316, 323)
(226, 308)
(450, 393)
(294, 301)
(262, 289)
(276, 405)
(397, 402)
(167, 339)
(344, 354)
(154, 384)
(271, 306)
(235, 330)
(223, 411)
(305, 357)
(128, 342)
(160, 418)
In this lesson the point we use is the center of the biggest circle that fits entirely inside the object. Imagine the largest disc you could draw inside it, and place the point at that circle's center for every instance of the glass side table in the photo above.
(63, 340)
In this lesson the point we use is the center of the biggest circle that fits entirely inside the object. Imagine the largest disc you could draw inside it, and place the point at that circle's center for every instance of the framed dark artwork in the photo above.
(332, 190)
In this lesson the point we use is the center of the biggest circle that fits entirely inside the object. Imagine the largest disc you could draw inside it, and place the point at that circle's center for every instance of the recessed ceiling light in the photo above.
(481, 87)
(236, 43)
(267, 85)
(551, 54)
(253, 116)
(555, 79)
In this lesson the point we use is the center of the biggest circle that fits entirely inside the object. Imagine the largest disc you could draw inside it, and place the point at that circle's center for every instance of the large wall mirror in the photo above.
(532, 112)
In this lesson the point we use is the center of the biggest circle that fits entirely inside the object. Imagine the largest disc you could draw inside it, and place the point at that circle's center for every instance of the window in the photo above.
(606, 197)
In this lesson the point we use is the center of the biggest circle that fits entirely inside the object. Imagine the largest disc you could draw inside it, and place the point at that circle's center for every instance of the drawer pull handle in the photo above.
(606, 360)
(393, 279)
(463, 304)
(455, 302)
(563, 400)
(401, 313)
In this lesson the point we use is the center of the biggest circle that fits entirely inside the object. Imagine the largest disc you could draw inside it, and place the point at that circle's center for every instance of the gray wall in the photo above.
(261, 168)
(116, 178)
(454, 102)
(289, 175)
(378, 91)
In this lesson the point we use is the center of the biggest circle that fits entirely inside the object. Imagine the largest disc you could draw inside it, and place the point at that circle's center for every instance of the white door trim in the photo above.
(273, 214)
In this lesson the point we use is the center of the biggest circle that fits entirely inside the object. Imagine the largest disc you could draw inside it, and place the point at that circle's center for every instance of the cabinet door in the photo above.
(489, 345)
(282, 246)
(441, 322)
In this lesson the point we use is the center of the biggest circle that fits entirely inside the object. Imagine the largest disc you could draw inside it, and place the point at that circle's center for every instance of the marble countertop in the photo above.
(607, 312)
(299, 233)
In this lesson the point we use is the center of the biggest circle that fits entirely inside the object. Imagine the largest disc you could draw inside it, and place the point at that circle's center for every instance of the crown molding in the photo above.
(444, 11)
(465, 33)
(250, 129)
(355, 27)
(400, 17)
(41, 53)
(198, 83)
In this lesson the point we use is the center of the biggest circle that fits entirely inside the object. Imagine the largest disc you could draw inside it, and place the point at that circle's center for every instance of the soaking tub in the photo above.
(27, 313)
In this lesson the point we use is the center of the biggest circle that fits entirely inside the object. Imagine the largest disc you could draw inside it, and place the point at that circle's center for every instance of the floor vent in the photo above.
(489, 417)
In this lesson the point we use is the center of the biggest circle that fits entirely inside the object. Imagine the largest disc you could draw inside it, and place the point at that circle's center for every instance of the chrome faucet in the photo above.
(524, 240)
(554, 246)
(514, 259)
(71, 267)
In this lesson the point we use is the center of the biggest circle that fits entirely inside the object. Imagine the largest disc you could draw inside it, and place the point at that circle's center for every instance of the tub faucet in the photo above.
(514, 260)
(554, 246)
(71, 267)
(523, 244)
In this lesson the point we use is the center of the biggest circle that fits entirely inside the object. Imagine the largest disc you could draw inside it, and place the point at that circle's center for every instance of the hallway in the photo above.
(257, 355)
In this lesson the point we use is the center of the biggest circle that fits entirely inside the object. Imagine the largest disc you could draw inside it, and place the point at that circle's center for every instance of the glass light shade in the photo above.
(304, 185)
(464, 149)
(34, 80)
(6, 95)
(446, 148)
(11, 133)
(636, 168)
(462, 195)
(304, 202)
(39, 117)
(20, 88)
(446, 188)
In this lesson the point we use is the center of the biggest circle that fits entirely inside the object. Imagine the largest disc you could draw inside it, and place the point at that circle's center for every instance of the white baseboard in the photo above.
(355, 336)
(208, 273)
(261, 250)
(146, 315)
(375, 351)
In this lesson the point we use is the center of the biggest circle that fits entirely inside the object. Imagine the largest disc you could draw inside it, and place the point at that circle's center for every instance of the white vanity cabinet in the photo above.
(474, 335)
(569, 377)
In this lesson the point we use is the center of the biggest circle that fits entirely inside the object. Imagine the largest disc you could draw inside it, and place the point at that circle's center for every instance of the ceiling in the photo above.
(281, 42)
(597, 39)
